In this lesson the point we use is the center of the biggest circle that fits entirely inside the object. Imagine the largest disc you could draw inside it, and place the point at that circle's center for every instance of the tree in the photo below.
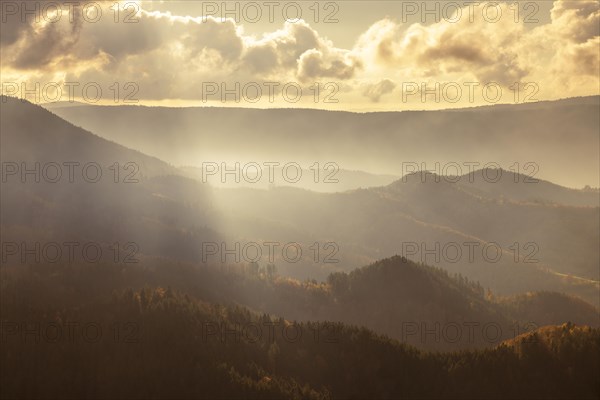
(253, 268)
(339, 283)
(271, 271)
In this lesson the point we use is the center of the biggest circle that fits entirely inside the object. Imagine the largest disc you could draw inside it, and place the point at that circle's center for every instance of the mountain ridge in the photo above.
(559, 137)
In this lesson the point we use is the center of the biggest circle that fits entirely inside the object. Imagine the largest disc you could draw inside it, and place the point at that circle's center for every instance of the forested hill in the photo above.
(162, 343)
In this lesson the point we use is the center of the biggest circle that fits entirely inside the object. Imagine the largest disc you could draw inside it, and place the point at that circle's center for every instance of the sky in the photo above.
(344, 55)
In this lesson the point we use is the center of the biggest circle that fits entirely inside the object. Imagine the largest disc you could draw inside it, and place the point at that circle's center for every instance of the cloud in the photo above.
(221, 36)
(170, 56)
(586, 57)
(375, 91)
(199, 48)
(337, 64)
(479, 48)
(577, 21)
(575, 32)
(555, 55)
